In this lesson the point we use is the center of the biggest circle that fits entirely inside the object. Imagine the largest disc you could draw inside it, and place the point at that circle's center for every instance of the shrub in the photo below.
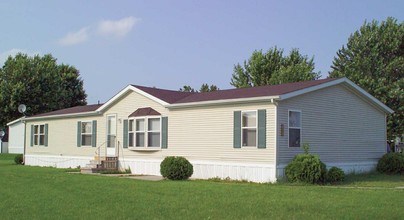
(306, 168)
(18, 159)
(391, 163)
(335, 175)
(176, 168)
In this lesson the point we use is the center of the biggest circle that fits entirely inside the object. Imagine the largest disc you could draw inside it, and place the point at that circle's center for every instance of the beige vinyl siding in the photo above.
(62, 134)
(62, 137)
(338, 124)
(206, 133)
(200, 133)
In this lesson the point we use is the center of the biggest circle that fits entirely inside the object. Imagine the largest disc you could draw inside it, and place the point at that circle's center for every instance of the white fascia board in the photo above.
(336, 82)
(82, 114)
(124, 91)
(15, 121)
(225, 101)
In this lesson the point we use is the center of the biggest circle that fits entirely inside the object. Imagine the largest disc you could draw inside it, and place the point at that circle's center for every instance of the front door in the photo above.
(111, 135)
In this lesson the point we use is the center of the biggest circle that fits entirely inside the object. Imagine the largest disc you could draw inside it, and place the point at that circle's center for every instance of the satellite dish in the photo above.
(2, 133)
(22, 108)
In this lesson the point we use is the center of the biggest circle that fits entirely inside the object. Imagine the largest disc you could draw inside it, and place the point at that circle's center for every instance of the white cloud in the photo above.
(73, 38)
(13, 52)
(117, 28)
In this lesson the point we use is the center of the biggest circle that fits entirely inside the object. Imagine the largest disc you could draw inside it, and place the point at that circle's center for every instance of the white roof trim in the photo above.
(336, 82)
(82, 114)
(222, 101)
(15, 121)
(124, 91)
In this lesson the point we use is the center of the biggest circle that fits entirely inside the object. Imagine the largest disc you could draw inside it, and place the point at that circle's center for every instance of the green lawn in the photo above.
(49, 193)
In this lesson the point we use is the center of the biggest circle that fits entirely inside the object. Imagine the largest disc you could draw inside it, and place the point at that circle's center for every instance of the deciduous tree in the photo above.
(273, 68)
(39, 83)
(373, 58)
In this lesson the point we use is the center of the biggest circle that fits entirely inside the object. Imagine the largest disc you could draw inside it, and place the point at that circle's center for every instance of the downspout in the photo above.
(25, 138)
(276, 138)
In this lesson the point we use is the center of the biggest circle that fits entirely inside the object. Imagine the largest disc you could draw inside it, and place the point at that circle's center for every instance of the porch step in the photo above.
(107, 163)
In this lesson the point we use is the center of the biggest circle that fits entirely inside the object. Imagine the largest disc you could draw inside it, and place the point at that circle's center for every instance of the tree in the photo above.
(373, 58)
(187, 89)
(204, 88)
(39, 83)
(273, 68)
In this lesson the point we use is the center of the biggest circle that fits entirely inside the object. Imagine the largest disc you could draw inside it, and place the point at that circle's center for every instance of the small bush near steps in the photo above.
(391, 163)
(176, 168)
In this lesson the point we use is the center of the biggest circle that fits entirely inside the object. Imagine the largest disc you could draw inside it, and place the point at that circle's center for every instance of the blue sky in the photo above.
(169, 44)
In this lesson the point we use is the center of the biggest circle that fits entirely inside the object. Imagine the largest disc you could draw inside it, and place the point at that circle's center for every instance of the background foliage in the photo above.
(373, 58)
(39, 83)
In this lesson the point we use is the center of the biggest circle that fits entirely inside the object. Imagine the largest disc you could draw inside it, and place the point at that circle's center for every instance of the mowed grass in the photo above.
(50, 193)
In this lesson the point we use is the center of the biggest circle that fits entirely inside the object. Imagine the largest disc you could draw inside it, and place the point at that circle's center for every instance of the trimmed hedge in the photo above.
(391, 163)
(176, 168)
(18, 159)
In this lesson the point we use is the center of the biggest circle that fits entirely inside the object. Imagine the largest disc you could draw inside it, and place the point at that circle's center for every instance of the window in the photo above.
(153, 132)
(86, 133)
(144, 132)
(140, 132)
(39, 134)
(295, 128)
(249, 129)
(131, 133)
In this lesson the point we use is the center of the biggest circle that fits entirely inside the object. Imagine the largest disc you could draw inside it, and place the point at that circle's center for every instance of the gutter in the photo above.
(271, 99)
(72, 115)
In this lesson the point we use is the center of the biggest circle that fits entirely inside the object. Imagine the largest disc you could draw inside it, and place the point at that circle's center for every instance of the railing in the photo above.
(98, 151)
(106, 162)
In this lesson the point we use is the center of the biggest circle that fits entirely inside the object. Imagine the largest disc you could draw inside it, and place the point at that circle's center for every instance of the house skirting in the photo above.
(209, 169)
(57, 161)
(347, 167)
(260, 173)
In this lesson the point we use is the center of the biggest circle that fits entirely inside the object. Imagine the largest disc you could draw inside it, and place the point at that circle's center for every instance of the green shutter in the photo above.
(164, 132)
(79, 134)
(125, 133)
(262, 130)
(46, 135)
(94, 134)
(32, 135)
(237, 129)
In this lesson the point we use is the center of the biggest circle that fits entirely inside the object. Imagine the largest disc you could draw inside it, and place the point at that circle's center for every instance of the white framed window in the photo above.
(249, 128)
(39, 135)
(86, 133)
(144, 132)
(131, 133)
(295, 128)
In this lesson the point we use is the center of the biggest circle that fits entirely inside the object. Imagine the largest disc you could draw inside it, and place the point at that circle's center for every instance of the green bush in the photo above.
(391, 163)
(18, 159)
(176, 168)
(306, 168)
(335, 175)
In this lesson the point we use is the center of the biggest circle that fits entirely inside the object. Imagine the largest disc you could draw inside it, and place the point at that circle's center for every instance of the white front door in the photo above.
(111, 135)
